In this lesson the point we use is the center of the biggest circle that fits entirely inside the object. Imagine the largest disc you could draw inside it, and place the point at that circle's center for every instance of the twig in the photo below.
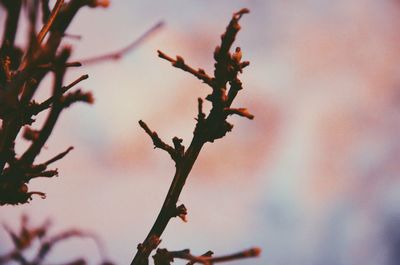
(50, 66)
(59, 156)
(207, 254)
(158, 143)
(180, 63)
(240, 111)
(36, 146)
(35, 109)
(165, 255)
(50, 21)
(120, 53)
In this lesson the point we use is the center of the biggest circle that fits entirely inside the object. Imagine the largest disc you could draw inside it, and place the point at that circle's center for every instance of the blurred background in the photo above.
(314, 179)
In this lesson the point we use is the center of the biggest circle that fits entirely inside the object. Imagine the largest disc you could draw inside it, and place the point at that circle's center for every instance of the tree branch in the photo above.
(158, 143)
(180, 63)
(208, 129)
(163, 256)
(50, 21)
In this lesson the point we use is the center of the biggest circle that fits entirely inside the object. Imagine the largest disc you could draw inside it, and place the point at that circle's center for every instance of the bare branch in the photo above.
(180, 63)
(35, 109)
(36, 146)
(50, 21)
(158, 143)
(43, 174)
(207, 254)
(120, 53)
(240, 111)
(77, 96)
(208, 129)
(50, 66)
(169, 256)
(59, 156)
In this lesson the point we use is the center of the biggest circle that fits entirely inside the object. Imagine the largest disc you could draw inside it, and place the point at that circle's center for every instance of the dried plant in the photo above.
(21, 73)
(208, 129)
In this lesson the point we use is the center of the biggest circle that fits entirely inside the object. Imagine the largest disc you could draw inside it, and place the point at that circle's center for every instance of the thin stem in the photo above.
(120, 53)
(180, 63)
(50, 21)
(47, 103)
(208, 260)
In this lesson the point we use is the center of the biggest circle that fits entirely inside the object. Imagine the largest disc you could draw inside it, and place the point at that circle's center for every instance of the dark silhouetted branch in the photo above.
(180, 63)
(165, 257)
(208, 129)
(158, 143)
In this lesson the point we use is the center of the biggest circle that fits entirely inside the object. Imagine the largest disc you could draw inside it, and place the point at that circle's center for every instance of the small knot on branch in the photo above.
(180, 149)
(162, 257)
(179, 62)
(181, 212)
(30, 134)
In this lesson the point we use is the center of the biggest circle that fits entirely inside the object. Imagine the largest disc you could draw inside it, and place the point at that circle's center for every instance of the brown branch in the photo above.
(35, 109)
(36, 146)
(77, 96)
(158, 143)
(165, 255)
(207, 254)
(75, 82)
(50, 21)
(240, 111)
(43, 174)
(120, 53)
(50, 66)
(59, 156)
(180, 63)
(208, 129)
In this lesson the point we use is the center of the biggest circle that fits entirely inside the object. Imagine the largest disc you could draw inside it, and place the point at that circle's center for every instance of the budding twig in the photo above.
(180, 63)
(158, 143)
(240, 111)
